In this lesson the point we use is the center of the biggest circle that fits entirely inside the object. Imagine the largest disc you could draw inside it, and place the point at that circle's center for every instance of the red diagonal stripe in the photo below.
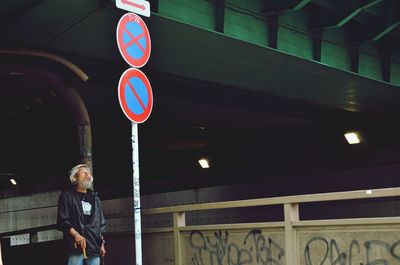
(133, 4)
(134, 40)
(136, 95)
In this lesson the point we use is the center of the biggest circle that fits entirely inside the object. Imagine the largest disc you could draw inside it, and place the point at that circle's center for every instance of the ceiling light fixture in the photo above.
(204, 163)
(353, 137)
(13, 182)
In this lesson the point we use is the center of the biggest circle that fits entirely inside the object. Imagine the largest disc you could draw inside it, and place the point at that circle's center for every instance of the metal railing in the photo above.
(289, 225)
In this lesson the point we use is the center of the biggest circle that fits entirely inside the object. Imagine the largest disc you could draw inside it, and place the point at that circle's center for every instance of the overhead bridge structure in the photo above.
(264, 90)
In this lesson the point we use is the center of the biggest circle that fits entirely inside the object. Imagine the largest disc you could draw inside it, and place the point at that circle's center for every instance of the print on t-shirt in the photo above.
(87, 208)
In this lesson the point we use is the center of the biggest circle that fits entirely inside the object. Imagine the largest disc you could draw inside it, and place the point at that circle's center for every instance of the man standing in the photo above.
(80, 218)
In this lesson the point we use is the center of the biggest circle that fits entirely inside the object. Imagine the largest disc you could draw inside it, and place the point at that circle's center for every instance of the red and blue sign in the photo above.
(133, 39)
(135, 95)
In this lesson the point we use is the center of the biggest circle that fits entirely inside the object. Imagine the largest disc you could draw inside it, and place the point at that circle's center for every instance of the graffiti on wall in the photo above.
(218, 249)
(321, 251)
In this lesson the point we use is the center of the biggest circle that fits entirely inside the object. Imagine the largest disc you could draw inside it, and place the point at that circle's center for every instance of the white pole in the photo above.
(136, 194)
(1, 259)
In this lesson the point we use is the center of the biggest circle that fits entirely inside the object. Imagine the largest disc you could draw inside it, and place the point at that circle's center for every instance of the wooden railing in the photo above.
(294, 239)
(291, 225)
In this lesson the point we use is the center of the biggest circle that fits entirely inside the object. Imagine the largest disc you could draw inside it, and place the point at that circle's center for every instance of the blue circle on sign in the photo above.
(134, 40)
(136, 95)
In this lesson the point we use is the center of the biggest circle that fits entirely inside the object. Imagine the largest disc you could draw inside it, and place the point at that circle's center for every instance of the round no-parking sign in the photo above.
(133, 40)
(135, 95)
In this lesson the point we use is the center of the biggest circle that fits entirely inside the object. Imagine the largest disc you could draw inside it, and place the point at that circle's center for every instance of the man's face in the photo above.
(84, 178)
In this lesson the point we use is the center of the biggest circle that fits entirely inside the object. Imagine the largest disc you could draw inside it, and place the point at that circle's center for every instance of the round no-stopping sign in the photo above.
(133, 39)
(135, 95)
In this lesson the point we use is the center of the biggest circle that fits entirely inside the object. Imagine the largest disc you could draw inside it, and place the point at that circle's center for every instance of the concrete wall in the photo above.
(366, 245)
(245, 246)
(350, 245)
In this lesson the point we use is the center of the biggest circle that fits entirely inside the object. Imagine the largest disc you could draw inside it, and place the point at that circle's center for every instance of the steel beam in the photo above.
(376, 31)
(386, 30)
(352, 14)
(154, 6)
(317, 45)
(272, 22)
(392, 20)
(386, 69)
(354, 58)
(219, 15)
(284, 6)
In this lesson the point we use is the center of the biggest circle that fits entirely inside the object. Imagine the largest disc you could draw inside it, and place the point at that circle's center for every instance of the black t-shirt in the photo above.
(87, 202)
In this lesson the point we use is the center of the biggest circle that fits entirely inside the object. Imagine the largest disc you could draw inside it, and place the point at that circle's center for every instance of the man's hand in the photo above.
(80, 240)
(102, 250)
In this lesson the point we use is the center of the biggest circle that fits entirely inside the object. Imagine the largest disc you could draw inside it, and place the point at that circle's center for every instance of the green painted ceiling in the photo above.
(217, 89)
(85, 30)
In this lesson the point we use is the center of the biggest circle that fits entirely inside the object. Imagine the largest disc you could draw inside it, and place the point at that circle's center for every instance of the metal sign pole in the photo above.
(138, 108)
(136, 194)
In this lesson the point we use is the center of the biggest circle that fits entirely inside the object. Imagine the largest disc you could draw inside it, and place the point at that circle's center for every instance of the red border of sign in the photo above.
(133, 72)
(128, 17)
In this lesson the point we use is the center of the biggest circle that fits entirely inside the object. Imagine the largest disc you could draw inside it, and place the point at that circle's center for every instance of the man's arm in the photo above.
(63, 215)
(79, 240)
(64, 222)
(102, 219)
(102, 229)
